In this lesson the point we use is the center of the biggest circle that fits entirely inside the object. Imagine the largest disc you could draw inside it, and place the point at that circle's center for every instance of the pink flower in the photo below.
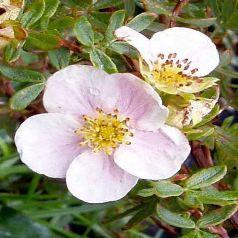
(102, 133)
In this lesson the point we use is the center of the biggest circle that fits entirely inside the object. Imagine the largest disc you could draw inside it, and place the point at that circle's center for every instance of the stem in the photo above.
(176, 11)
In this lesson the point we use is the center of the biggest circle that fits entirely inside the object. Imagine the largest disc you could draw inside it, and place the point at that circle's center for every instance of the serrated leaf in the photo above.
(84, 32)
(25, 96)
(59, 58)
(217, 216)
(174, 219)
(21, 74)
(206, 177)
(33, 13)
(102, 61)
(167, 189)
(115, 22)
(142, 21)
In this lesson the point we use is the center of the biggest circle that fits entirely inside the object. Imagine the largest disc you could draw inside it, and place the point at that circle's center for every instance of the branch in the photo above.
(176, 11)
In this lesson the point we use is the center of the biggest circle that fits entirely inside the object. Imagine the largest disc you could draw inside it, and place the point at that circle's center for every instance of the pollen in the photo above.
(105, 132)
(173, 72)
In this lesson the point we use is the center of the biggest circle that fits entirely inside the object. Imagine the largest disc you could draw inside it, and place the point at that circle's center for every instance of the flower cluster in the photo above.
(175, 61)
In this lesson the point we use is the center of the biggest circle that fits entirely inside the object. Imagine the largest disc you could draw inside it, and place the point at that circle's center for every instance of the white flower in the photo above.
(174, 60)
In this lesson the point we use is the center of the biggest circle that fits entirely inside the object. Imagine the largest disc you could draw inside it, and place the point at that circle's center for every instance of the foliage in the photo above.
(51, 34)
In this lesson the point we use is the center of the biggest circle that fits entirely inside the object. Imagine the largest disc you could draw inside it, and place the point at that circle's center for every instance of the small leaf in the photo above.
(142, 214)
(84, 32)
(206, 177)
(217, 197)
(199, 234)
(59, 58)
(44, 40)
(50, 9)
(102, 61)
(101, 4)
(147, 192)
(167, 189)
(142, 21)
(174, 219)
(21, 75)
(123, 48)
(116, 21)
(34, 13)
(217, 216)
(25, 96)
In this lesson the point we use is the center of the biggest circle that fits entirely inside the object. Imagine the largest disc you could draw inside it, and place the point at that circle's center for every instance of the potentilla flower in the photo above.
(174, 60)
(102, 133)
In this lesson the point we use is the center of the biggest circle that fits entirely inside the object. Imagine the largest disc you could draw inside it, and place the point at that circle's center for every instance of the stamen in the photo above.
(105, 132)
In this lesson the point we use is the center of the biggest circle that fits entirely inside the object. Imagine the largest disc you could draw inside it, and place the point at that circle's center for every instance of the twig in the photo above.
(202, 155)
(169, 229)
(176, 11)
(70, 45)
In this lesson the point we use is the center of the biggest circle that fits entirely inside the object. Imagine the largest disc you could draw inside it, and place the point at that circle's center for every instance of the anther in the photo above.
(185, 61)
(128, 143)
(194, 71)
(116, 111)
(99, 109)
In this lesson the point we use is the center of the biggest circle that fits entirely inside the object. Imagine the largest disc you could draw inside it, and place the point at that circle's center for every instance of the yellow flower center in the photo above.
(105, 132)
(170, 72)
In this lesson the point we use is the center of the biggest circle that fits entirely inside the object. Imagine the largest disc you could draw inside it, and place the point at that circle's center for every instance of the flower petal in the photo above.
(136, 39)
(139, 101)
(95, 178)
(79, 90)
(154, 155)
(187, 44)
(47, 143)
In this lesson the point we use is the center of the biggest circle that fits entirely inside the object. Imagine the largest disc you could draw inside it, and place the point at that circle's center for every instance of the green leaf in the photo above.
(142, 214)
(116, 21)
(84, 32)
(15, 225)
(101, 4)
(217, 197)
(50, 9)
(199, 234)
(217, 216)
(123, 48)
(59, 58)
(102, 61)
(142, 21)
(147, 192)
(21, 75)
(206, 177)
(129, 7)
(44, 40)
(174, 219)
(167, 189)
(25, 96)
(34, 13)
(203, 22)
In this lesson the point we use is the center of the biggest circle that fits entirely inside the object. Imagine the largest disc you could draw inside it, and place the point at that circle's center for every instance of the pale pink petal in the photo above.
(80, 89)
(136, 39)
(95, 178)
(187, 44)
(139, 101)
(154, 155)
(47, 143)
